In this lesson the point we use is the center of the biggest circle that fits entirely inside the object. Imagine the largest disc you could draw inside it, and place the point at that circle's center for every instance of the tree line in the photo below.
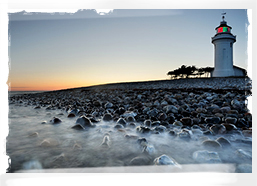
(190, 71)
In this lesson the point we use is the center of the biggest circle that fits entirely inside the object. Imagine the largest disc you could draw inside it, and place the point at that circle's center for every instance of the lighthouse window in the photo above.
(223, 29)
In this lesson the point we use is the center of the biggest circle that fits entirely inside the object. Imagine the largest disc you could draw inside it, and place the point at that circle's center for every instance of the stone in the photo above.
(83, 122)
(187, 121)
(170, 109)
(162, 117)
(37, 107)
(132, 125)
(108, 105)
(71, 115)
(225, 109)
(122, 122)
(55, 120)
(229, 127)
(247, 133)
(223, 141)
(231, 120)
(204, 156)
(218, 129)
(211, 144)
(107, 117)
(165, 160)
(243, 155)
(148, 123)
(213, 120)
(118, 126)
(178, 124)
(130, 119)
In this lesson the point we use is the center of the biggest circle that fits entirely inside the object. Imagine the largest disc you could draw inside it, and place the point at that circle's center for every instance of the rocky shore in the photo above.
(209, 112)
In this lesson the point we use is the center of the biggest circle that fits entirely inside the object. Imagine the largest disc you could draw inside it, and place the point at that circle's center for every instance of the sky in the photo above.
(57, 51)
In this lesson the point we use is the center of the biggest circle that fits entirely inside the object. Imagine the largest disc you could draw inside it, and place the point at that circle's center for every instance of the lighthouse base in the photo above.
(223, 73)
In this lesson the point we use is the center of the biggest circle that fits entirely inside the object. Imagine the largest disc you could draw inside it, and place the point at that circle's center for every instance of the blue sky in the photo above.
(50, 52)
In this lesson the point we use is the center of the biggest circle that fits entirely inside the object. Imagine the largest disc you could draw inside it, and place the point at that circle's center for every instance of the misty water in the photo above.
(34, 143)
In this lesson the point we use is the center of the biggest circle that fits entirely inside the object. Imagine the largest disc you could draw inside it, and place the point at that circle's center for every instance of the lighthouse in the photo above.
(223, 50)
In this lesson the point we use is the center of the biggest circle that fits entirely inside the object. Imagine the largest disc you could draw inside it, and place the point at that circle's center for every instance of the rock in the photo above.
(55, 120)
(244, 168)
(108, 105)
(107, 117)
(97, 103)
(187, 121)
(155, 124)
(143, 130)
(247, 133)
(130, 119)
(132, 125)
(170, 109)
(211, 144)
(71, 115)
(122, 122)
(229, 127)
(204, 156)
(213, 120)
(201, 110)
(34, 134)
(106, 141)
(223, 141)
(37, 107)
(153, 112)
(243, 155)
(49, 142)
(140, 160)
(177, 124)
(218, 129)
(231, 120)
(149, 149)
(83, 122)
(118, 126)
(43, 122)
(148, 123)
(160, 129)
(185, 134)
(162, 117)
(172, 133)
(225, 109)
(165, 160)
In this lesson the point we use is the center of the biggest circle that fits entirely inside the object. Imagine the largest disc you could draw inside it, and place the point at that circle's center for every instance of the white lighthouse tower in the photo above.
(223, 50)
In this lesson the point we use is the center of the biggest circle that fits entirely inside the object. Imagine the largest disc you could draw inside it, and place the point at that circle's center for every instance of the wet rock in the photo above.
(225, 109)
(122, 122)
(148, 123)
(185, 134)
(160, 129)
(55, 120)
(43, 122)
(229, 127)
(223, 141)
(143, 130)
(34, 134)
(107, 117)
(243, 155)
(97, 103)
(106, 141)
(187, 121)
(71, 115)
(162, 117)
(211, 144)
(142, 142)
(49, 142)
(155, 124)
(118, 126)
(218, 129)
(208, 132)
(231, 120)
(201, 110)
(37, 107)
(130, 119)
(204, 156)
(165, 160)
(247, 133)
(108, 105)
(172, 133)
(170, 109)
(83, 122)
(153, 112)
(178, 124)
(214, 120)
(132, 125)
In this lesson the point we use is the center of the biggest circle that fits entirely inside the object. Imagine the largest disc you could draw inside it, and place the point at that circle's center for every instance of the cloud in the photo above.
(92, 13)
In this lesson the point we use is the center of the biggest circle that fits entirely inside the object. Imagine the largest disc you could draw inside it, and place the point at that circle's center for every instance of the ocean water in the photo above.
(33, 145)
